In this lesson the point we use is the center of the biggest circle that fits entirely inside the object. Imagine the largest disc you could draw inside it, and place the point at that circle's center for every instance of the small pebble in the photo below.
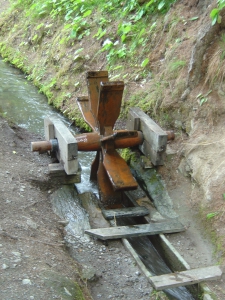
(26, 281)
(4, 266)
(138, 273)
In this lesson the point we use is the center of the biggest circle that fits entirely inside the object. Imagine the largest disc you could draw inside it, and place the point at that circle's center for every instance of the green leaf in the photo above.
(193, 19)
(161, 4)
(214, 15)
(123, 37)
(223, 196)
(212, 215)
(145, 62)
(87, 13)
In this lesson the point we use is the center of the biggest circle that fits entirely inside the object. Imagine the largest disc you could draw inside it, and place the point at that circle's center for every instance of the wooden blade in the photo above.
(110, 99)
(93, 81)
(84, 106)
(108, 196)
(94, 166)
(118, 171)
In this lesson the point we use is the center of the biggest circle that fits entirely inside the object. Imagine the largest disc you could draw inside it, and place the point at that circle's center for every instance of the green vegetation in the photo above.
(128, 155)
(124, 33)
(211, 215)
(203, 98)
(215, 13)
(132, 34)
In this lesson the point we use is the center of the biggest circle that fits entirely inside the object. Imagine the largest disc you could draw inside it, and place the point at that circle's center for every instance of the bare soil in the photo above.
(34, 259)
(31, 239)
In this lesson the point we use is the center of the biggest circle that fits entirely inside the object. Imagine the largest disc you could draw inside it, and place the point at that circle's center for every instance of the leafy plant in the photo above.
(215, 13)
(212, 215)
(203, 98)
(145, 62)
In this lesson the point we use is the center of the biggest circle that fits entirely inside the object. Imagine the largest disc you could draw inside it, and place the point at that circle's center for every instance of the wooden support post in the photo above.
(67, 153)
(155, 139)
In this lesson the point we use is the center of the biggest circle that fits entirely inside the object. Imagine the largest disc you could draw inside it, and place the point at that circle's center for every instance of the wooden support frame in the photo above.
(67, 153)
(184, 278)
(155, 139)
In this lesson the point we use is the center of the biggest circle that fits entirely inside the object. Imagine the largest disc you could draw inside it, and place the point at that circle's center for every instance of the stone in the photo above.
(4, 266)
(89, 274)
(26, 281)
(32, 224)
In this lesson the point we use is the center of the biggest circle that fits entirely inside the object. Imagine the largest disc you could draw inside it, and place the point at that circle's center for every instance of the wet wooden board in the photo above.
(138, 211)
(136, 230)
(118, 172)
(188, 277)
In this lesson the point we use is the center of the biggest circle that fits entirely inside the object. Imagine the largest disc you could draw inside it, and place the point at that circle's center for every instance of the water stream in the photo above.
(22, 103)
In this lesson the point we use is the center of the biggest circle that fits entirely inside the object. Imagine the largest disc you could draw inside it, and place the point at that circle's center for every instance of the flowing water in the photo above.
(22, 103)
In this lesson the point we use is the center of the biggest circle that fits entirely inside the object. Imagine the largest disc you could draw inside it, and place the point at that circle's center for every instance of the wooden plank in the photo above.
(155, 139)
(111, 214)
(49, 129)
(94, 78)
(136, 230)
(110, 99)
(58, 175)
(183, 278)
(67, 153)
(118, 171)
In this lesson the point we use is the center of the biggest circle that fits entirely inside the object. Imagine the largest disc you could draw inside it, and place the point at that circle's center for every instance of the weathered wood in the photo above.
(67, 145)
(111, 214)
(109, 103)
(188, 277)
(136, 230)
(49, 129)
(84, 105)
(155, 139)
(94, 78)
(58, 174)
(118, 171)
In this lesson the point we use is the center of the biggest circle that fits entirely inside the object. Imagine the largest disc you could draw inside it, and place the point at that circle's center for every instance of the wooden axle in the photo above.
(44, 146)
(93, 141)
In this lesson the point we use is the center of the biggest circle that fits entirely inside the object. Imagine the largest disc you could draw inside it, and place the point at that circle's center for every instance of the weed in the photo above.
(128, 155)
(211, 215)
(176, 65)
(215, 13)
(203, 98)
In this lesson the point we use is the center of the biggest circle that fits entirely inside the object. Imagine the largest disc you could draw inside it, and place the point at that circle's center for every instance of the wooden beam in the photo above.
(155, 139)
(184, 278)
(67, 145)
(136, 230)
(138, 211)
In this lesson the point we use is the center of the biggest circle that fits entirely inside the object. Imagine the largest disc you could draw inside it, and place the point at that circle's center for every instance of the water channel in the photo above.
(22, 103)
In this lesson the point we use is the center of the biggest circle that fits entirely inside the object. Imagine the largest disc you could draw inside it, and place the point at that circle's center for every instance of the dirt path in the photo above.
(32, 252)
(34, 258)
